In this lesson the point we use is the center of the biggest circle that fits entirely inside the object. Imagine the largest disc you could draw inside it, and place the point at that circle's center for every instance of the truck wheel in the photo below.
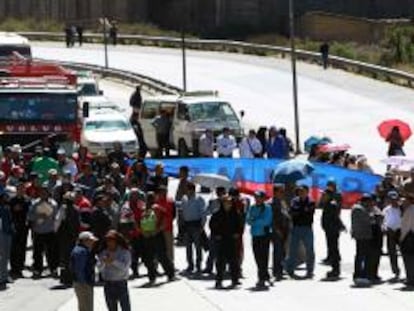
(182, 149)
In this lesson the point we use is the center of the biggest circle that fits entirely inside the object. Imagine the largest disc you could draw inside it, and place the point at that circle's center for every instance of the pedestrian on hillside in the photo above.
(79, 31)
(152, 227)
(324, 50)
(135, 101)
(42, 219)
(407, 240)
(6, 233)
(259, 217)
(162, 125)
(206, 144)
(361, 231)
(331, 205)
(225, 226)
(194, 214)
(68, 36)
(302, 211)
(226, 144)
(392, 230)
(113, 32)
(395, 143)
(250, 146)
(280, 229)
(82, 263)
(113, 263)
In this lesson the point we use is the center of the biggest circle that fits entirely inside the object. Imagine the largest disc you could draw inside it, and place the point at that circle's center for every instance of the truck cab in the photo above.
(191, 115)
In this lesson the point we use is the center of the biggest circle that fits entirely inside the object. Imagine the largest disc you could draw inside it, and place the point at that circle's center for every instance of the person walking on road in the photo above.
(225, 226)
(396, 143)
(302, 211)
(226, 144)
(331, 205)
(407, 240)
(114, 263)
(392, 229)
(250, 146)
(259, 217)
(82, 262)
(135, 101)
(113, 33)
(324, 50)
(79, 31)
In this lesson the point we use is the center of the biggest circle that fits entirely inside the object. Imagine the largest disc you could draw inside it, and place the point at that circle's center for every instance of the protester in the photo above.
(182, 189)
(42, 219)
(396, 143)
(113, 32)
(113, 263)
(250, 146)
(206, 144)
(168, 207)
(277, 146)
(194, 213)
(392, 229)
(82, 264)
(259, 217)
(226, 144)
(135, 101)
(302, 211)
(407, 241)
(280, 229)
(152, 227)
(6, 233)
(225, 226)
(331, 205)
(162, 125)
(377, 219)
(79, 31)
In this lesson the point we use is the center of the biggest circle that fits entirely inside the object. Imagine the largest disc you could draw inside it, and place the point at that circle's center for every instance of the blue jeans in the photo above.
(5, 245)
(117, 292)
(302, 234)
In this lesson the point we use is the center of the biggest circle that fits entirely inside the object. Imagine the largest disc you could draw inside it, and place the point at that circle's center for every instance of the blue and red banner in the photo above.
(250, 175)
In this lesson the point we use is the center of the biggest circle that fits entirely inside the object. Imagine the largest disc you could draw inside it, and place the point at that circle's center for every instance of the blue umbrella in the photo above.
(291, 171)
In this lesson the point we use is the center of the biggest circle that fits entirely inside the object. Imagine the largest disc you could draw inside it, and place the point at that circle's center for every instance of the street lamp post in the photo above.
(184, 58)
(294, 74)
(105, 40)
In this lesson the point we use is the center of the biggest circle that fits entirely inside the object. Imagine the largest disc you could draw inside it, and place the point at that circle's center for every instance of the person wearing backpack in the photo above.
(152, 226)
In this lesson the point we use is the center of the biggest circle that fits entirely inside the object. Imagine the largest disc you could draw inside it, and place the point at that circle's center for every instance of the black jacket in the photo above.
(302, 212)
(226, 224)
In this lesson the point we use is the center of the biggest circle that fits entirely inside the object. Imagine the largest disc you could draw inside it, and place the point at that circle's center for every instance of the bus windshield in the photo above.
(38, 107)
(7, 50)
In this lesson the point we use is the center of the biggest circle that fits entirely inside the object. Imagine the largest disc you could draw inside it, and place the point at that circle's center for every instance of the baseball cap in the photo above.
(61, 151)
(393, 195)
(366, 197)
(87, 235)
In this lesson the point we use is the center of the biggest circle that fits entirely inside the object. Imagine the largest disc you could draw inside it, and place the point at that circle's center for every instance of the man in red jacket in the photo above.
(167, 204)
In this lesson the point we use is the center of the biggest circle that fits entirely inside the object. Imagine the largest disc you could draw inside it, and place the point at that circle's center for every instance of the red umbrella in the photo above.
(386, 127)
(334, 148)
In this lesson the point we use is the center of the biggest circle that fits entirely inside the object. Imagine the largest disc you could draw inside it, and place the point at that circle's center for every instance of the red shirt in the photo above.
(167, 206)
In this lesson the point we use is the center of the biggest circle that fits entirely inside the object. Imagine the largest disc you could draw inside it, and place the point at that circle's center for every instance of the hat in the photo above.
(111, 235)
(331, 182)
(87, 235)
(260, 194)
(16, 148)
(393, 195)
(366, 197)
(234, 192)
(61, 151)
(52, 171)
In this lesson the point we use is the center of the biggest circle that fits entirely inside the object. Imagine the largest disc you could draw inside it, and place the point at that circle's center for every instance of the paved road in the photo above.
(342, 105)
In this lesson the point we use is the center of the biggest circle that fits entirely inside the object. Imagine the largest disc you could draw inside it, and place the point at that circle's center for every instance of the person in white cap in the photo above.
(66, 164)
(83, 269)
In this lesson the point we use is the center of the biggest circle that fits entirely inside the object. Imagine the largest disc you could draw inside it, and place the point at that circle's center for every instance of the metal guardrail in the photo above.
(377, 72)
(150, 85)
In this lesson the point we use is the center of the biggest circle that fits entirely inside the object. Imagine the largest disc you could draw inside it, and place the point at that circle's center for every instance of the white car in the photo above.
(87, 84)
(104, 127)
(100, 102)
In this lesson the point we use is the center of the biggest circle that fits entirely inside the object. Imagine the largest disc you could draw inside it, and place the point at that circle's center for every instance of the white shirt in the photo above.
(249, 147)
(206, 146)
(392, 218)
(226, 145)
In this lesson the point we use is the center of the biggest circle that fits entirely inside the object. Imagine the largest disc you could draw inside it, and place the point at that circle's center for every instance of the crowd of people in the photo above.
(88, 214)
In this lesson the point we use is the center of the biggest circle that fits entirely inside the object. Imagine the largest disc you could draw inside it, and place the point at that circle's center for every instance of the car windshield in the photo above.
(88, 89)
(107, 125)
(218, 111)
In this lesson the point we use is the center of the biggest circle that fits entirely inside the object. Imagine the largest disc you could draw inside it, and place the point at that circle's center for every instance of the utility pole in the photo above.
(294, 74)
(184, 58)
(104, 22)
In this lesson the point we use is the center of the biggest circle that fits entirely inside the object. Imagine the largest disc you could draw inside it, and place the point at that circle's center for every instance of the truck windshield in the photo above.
(107, 125)
(217, 111)
(38, 107)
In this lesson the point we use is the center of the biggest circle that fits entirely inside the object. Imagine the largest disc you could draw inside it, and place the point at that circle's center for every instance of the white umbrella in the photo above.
(397, 161)
(212, 181)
